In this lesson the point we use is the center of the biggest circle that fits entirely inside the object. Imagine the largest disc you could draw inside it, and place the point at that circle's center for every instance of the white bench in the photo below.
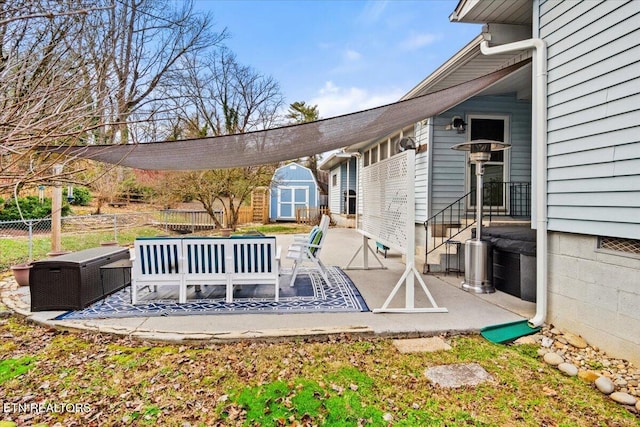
(157, 262)
(213, 261)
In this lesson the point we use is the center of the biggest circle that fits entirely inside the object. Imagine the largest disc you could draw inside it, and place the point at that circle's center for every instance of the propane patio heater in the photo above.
(478, 258)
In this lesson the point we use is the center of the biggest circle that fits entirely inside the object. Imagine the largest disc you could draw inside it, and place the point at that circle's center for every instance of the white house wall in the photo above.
(335, 190)
(422, 136)
(593, 116)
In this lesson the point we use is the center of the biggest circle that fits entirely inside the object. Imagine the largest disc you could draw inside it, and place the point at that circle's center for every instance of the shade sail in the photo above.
(284, 143)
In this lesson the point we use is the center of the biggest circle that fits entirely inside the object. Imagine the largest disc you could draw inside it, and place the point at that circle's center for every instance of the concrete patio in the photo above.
(467, 313)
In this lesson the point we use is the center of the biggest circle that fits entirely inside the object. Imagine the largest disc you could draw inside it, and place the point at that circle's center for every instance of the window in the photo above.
(374, 154)
(384, 150)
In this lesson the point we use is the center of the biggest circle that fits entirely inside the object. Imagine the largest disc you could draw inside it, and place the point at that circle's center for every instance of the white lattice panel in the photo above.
(386, 211)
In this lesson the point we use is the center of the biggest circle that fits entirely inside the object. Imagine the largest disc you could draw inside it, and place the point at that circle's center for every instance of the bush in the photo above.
(31, 208)
(81, 196)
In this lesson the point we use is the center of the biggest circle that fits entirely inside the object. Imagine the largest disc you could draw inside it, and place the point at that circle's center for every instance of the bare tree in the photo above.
(225, 97)
(82, 72)
(42, 97)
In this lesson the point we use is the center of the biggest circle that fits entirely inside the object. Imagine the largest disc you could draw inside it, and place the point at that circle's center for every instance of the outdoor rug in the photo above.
(311, 294)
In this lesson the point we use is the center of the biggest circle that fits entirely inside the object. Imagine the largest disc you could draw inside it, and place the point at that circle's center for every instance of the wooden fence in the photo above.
(311, 216)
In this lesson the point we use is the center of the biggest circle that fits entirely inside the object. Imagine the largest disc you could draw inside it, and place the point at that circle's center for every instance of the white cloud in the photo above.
(352, 55)
(417, 41)
(334, 100)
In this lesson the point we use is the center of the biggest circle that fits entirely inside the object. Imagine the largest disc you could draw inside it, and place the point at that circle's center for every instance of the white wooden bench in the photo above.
(212, 261)
(206, 263)
(157, 262)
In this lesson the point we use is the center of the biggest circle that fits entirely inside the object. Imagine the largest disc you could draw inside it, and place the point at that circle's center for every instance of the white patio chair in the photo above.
(309, 250)
(324, 224)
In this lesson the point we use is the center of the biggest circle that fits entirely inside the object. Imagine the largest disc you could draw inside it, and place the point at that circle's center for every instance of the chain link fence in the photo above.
(26, 240)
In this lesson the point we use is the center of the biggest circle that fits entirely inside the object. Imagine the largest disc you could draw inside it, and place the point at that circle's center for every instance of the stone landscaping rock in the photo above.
(553, 359)
(605, 385)
(528, 339)
(568, 369)
(458, 375)
(575, 340)
(638, 406)
(588, 376)
(417, 345)
(547, 342)
(623, 398)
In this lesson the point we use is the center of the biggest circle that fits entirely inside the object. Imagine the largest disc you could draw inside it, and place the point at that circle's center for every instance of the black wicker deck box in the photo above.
(72, 281)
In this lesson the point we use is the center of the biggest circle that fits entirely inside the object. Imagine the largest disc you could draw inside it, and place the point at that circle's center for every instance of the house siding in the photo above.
(421, 182)
(448, 166)
(334, 191)
(593, 116)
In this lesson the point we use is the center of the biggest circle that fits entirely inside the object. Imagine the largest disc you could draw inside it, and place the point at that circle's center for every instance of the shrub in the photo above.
(31, 208)
(81, 196)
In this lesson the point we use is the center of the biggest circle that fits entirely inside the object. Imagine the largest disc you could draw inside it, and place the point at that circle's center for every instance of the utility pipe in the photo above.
(539, 136)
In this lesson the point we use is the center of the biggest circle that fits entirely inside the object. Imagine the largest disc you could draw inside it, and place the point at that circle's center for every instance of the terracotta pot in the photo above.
(21, 273)
(225, 232)
(58, 253)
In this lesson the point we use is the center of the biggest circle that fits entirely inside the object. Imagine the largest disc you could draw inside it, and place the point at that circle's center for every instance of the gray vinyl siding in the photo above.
(593, 116)
(448, 166)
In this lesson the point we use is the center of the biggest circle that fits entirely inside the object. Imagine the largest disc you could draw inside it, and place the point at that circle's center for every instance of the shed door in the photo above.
(290, 199)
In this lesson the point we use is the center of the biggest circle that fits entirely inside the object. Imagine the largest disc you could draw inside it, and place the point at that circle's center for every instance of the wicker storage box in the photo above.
(72, 281)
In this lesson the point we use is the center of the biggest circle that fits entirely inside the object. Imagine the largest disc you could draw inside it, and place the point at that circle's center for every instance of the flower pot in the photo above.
(57, 253)
(21, 273)
(225, 232)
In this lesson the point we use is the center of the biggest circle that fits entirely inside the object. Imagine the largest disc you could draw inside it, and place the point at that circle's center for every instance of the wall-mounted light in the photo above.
(458, 124)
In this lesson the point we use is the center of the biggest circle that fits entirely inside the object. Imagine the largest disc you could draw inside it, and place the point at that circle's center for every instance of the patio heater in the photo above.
(478, 258)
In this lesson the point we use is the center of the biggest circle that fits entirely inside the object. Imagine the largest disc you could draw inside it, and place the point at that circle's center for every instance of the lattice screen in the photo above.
(385, 197)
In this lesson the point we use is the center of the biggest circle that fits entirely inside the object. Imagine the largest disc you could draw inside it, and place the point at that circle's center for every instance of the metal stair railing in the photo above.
(456, 218)
(452, 220)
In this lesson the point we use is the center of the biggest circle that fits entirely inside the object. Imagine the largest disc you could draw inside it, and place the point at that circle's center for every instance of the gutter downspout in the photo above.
(539, 136)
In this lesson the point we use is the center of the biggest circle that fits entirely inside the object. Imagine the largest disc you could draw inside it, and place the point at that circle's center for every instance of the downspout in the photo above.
(539, 134)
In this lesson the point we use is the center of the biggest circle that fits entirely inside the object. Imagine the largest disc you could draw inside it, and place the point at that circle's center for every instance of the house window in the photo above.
(374, 154)
(384, 150)
(334, 180)
(365, 158)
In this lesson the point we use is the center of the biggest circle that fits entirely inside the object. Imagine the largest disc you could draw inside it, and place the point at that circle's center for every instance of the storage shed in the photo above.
(293, 186)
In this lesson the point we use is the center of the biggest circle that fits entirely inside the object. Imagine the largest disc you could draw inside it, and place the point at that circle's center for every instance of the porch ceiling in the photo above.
(469, 63)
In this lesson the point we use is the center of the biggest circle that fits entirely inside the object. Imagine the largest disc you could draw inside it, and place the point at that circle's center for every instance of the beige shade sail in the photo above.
(284, 143)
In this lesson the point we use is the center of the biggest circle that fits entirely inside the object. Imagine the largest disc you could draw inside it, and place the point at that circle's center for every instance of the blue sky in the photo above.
(343, 56)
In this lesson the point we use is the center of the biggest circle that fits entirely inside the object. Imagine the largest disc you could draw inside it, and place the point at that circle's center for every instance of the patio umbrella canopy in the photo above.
(283, 143)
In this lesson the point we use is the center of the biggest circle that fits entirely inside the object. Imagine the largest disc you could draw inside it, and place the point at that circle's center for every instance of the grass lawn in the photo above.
(105, 380)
